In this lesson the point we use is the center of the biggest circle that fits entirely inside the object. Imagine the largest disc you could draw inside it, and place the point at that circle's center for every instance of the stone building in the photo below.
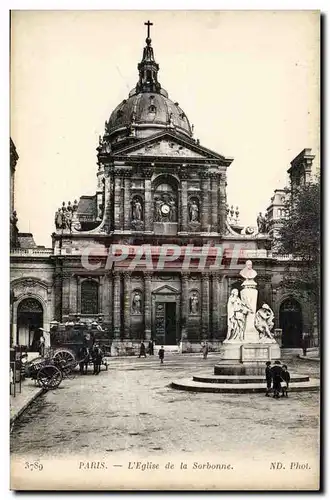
(109, 263)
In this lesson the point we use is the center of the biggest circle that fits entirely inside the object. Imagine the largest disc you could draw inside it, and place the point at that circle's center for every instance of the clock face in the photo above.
(165, 209)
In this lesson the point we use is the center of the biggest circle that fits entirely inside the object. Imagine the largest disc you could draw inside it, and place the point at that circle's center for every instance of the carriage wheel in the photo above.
(49, 377)
(65, 357)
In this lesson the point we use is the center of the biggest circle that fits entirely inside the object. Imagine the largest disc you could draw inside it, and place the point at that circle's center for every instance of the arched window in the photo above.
(89, 297)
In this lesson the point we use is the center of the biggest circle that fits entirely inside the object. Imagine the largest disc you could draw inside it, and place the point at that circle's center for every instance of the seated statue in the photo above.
(264, 323)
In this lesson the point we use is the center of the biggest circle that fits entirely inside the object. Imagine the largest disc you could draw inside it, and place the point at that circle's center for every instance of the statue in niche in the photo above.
(137, 210)
(193, 211)
(264, 323)
(172, 204)
(194, 303)
(237, 311)
(137, 303)
(158, 204)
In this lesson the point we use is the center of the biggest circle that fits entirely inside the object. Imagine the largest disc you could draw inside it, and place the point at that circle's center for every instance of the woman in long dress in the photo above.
(236, 317)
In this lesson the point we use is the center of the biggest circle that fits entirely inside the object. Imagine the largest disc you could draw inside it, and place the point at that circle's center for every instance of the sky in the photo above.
(247, 80)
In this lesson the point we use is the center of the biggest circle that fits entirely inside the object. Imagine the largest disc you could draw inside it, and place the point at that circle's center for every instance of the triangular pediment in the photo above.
(165, 147)
(170, 145)
(166, 289)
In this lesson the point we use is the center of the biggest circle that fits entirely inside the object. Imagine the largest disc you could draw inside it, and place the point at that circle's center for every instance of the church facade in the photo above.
(156, 251)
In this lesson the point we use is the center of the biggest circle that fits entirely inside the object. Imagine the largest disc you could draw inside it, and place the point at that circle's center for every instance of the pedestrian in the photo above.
(205, 350)
(97, 359)
(304, 344)
(151, 347)
(268, 373)
(42, 345)
(142, 350)
(161, 353)
(277, 378)
(285, 380)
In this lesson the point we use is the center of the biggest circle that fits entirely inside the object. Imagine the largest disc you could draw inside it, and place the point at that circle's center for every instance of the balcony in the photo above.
(28, 252)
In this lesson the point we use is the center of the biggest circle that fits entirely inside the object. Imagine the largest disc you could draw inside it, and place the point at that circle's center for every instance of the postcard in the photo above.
(165, 250)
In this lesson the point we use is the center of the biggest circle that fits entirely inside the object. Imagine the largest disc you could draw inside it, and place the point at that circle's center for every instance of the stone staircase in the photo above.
(240, 384)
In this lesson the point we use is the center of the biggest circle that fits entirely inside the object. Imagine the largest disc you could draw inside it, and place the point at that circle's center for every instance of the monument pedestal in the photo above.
(246, 358)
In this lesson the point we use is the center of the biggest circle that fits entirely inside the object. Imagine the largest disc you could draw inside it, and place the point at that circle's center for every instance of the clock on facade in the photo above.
(165, 209)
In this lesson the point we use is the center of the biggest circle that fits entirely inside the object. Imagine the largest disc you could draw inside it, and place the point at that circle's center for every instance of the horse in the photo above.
(84, 357)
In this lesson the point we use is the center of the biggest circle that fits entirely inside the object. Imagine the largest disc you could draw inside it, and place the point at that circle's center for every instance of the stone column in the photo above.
(184, 202)
(116, 306)
(148, 205)
(184, 305)
(108, 199)
(147, 306)
(127, 204)
(215, 306)
(66, 278)
(117, 202)
(214, 202)
(205, 195)
(74, 295)
(223, 307)
(127, 305)
(58, 295)
(222, 202)
(107, 299)
(205, 306)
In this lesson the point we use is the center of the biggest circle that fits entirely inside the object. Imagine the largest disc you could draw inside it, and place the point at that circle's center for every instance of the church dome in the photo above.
(148, 108)
(149, 112)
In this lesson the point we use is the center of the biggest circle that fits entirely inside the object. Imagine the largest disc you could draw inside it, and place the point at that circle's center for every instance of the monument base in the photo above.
(246, 359)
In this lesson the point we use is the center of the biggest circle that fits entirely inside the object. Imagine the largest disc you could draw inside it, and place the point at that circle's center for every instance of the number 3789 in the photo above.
(33, 465)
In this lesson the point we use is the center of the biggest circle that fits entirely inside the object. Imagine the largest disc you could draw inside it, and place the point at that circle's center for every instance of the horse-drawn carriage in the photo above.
(74, 343)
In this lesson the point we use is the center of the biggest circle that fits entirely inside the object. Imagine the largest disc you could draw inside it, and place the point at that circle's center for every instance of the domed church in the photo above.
(154, 254)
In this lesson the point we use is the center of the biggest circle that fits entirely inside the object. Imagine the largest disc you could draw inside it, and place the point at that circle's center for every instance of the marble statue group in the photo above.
(244, 323)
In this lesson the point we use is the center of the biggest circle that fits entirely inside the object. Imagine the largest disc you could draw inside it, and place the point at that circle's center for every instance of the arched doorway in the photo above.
(29, 320)
(291, 323)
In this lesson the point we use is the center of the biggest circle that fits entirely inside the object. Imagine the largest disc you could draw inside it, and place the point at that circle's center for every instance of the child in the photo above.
(286, 380)
(277, 378)
(268, 373)
(161, 353)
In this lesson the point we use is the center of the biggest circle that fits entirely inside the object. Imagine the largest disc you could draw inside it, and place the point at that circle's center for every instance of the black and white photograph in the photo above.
(165, 311)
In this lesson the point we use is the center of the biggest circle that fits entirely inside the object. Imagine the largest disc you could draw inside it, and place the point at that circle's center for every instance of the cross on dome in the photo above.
(148, 24)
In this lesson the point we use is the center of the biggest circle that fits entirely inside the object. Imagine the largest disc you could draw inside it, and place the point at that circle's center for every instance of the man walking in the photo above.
(161, 354)
(142, 350)
(151, 347)
(205, 350)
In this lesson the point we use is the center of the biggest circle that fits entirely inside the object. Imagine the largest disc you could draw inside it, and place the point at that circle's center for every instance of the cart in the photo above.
(67, 342)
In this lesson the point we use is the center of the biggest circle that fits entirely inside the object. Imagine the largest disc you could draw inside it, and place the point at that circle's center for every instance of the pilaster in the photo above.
(215, 305)
(116, 305)
(127, 304)
(147, 306)
(184, 305)
(205, 306)
(205, 195)
(148, 224)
